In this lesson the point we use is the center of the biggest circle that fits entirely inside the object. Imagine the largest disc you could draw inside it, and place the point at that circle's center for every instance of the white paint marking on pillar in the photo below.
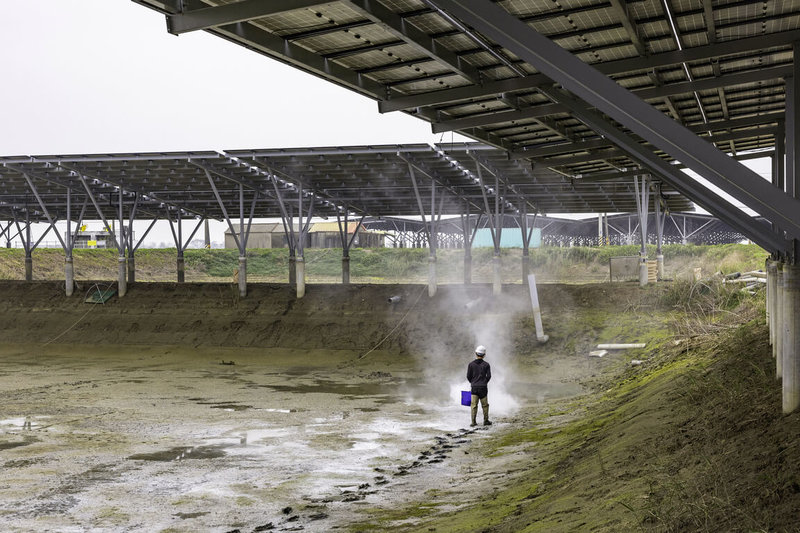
(537, 312)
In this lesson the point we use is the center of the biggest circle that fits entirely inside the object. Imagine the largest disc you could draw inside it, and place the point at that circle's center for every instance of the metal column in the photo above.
(346, 244)
(240, 237)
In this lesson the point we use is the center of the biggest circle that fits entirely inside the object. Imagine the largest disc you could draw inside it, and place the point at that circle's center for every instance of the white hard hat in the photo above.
(480, 350)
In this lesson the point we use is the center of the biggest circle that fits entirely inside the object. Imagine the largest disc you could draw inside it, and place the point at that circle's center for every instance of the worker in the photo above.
(479, 372)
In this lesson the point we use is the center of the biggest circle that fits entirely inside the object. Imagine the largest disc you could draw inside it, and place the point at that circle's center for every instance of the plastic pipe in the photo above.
(537, 312)
(621, 346)
(394, 299)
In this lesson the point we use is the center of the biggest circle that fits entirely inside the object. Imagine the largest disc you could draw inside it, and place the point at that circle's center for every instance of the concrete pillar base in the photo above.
(660, 266)
(131, 269)
(432, 276)
(467, 269)
(497, 276)
(122, 282)
(526, 269)
(791, 338)
(181, 269)
(242, 276)
(771, 290)
(300, 266)
(643, 272)
(777, 348)
(346, 270)
(69, 276)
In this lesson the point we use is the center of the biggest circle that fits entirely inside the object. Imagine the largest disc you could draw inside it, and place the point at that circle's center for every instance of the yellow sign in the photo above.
(91, 243)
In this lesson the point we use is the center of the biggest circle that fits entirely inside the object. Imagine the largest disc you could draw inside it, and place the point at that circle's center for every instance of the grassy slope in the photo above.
(378, 265)
(693, 440)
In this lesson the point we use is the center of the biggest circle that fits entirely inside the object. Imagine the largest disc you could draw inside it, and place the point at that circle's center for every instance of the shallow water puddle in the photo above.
(180, 453)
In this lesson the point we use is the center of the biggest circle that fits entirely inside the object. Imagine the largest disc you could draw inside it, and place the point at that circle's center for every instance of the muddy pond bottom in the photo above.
(155, 439)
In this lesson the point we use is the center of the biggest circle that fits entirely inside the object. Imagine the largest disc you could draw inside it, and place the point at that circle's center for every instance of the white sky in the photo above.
(101, 76)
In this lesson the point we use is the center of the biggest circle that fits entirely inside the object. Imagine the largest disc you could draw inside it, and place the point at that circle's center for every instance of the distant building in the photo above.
(320, 235)
(89, 238)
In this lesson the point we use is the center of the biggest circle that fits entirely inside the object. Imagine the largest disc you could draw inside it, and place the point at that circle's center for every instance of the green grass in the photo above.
(382, 265)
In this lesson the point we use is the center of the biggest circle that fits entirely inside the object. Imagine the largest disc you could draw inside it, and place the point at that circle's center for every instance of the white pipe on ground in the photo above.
(622, 346)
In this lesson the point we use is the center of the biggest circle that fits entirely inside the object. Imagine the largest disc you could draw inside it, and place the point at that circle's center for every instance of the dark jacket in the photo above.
(479, 372)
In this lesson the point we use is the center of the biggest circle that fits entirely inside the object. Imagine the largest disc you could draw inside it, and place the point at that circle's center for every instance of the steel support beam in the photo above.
(414, 37)
(244, 10)
(663, 91)
(688, 186)
(641, 118)
(697, 53)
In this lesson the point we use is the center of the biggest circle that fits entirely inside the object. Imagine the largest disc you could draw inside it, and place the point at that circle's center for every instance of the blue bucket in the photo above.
(466, 397)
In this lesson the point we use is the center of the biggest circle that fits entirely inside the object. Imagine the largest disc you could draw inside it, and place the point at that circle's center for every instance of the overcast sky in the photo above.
(100, 76)
(88, 76)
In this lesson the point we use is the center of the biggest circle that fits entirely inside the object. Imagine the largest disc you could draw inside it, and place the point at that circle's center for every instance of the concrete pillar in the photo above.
(777, 348)
(181, 269)
(526, 267)
(242, 276)
(660, 266)
(28, 268)
(122, 287)
(431, 276)
(467, 266)
(300, 265)
(497, 277)
(791, 337)
(131, 268)
(772, 277)
(69, 276)
(345, 269)
(643, 270)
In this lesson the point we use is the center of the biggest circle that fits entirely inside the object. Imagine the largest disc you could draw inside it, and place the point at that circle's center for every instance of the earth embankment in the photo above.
(338, 317)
